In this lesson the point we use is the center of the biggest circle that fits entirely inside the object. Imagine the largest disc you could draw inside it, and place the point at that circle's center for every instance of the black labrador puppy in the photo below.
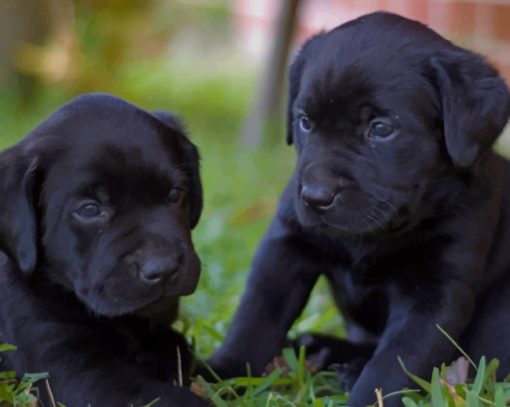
(96, 212)
(396, 198)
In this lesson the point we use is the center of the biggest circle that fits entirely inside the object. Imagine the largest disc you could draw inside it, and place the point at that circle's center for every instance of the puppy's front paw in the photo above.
(325, 350)
(348, 373)
(317, 351)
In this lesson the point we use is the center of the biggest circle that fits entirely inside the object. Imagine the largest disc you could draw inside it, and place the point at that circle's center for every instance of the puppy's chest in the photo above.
(155, 353)
(361, 294)
(362, 278)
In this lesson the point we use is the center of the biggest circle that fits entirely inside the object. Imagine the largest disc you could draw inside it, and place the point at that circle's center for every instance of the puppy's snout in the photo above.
(317, 197)
(155, 270)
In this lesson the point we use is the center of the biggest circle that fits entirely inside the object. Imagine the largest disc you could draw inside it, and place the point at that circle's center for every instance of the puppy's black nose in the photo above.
(317, 197)
(156, 270)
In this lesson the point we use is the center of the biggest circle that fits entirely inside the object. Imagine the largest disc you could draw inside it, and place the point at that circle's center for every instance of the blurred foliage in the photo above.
(85, 43)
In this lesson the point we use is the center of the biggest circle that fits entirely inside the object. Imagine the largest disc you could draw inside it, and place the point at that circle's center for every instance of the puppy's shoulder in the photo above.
(4, 264)
(8, 270)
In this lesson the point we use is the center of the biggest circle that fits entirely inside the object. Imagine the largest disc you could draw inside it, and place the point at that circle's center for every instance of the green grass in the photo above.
(241, 191)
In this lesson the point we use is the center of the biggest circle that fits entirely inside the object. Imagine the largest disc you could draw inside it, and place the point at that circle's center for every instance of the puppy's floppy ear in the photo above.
(295, 74)
(18, 223)
(192, 160)
(475, 104)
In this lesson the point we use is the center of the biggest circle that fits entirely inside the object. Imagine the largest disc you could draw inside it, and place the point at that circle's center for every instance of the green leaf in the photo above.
(408, 402)
(289, 355)
(418, 380)
(213, 332)
(4, 347)
(318, 403)
(499, 397)
(302, 372)
(480, 375)
(268, 382)
(471, 400)
(9, 375)
(6, 393)
(34, 377)
(213, 395)
(490, 370)
(436, 391)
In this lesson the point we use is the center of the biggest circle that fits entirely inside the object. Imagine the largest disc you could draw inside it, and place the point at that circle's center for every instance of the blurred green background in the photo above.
(175, 55)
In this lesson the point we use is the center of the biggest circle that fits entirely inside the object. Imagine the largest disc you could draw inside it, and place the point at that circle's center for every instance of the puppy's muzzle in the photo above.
(320, 186)
(322, 196)
(153, 270)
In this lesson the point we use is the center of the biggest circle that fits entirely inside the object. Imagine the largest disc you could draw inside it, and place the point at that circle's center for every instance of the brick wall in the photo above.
(482, 25)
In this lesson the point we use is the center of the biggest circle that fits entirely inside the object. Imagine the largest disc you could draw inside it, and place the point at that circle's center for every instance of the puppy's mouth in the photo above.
(123, 295)
(376, 217)
(109, 304)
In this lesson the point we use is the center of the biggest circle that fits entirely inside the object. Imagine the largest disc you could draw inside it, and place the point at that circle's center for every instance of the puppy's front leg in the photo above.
(412, 335)
(283, 273)
(88, 368)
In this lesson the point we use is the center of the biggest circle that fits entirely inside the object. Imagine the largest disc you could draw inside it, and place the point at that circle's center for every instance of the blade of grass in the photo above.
(408, 402)
(219, 379)
(302, 365)
(436, 391)
(289, 355)
(4, 347)
(457, 346)
(268, 382)
(213, 395)
(499, 398)
(152, 403)
(479, 379)
(418, 380)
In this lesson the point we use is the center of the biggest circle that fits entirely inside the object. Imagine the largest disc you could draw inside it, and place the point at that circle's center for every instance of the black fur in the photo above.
(397, 199)
(97, 251)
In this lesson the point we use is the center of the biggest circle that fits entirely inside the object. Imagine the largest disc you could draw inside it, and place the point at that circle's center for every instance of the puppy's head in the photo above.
(102, 197)
(386, 116)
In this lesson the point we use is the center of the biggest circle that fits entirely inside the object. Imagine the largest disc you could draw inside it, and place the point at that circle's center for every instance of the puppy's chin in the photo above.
(126, 296)
(164, 310)
(112, 306)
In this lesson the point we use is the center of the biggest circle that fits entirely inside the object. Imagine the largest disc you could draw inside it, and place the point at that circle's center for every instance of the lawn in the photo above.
(241, 191)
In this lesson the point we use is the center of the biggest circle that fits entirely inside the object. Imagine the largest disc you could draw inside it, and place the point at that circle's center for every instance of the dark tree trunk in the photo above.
(265, 116)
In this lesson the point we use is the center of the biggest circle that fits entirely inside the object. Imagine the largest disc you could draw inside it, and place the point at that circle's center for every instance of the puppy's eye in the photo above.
(381, 130)
(305, 124)
(176, 194)
(89, 210)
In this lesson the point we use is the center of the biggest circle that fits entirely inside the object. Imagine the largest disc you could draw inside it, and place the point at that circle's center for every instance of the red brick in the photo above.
(342, 3)
(501, 22)
(417, 10)
(395, 6)
(504, 70)
(369, 5)
(449, 17)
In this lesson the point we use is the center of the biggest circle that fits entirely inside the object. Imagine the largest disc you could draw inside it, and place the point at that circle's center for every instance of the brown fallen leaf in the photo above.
(279, 362)
(199, 390)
